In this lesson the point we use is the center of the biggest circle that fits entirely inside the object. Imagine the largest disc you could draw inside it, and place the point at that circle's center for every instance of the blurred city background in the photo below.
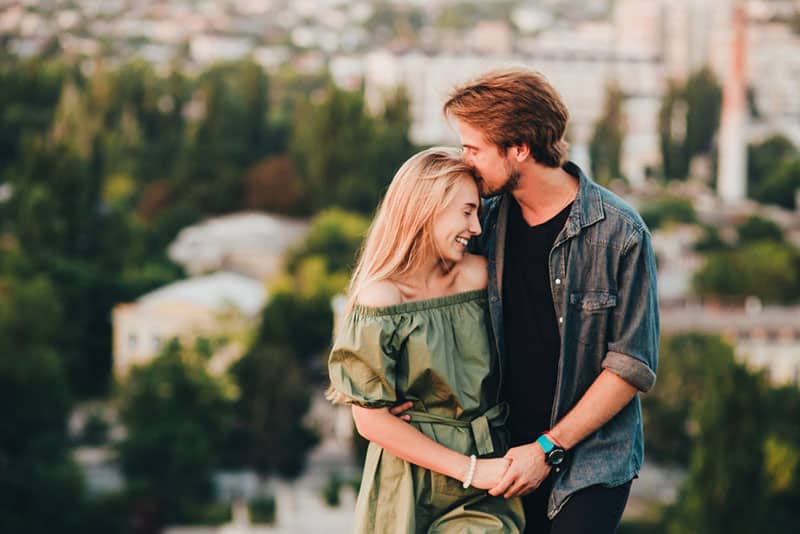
(184, 184)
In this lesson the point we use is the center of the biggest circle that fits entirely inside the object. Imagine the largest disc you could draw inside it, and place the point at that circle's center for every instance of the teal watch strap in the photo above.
(545, 443)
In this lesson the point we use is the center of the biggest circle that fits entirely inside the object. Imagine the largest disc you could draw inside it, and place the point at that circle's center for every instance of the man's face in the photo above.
(497, 172)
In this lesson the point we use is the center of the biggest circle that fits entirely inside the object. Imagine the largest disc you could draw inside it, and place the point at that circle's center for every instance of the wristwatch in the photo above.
(554, 455)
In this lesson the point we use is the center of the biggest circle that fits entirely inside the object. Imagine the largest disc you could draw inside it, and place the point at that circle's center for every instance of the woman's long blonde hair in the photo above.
(400, 236)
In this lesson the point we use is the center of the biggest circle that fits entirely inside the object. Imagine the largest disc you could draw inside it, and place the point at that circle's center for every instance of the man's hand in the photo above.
(526, 472)
(489, 471)
(400, 408)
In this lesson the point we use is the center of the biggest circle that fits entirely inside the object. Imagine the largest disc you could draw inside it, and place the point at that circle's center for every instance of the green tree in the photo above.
(756, 228)
(739, 273)
(672, 133)
(269, 434)
(688, 121)
(685, 362)
(605, 148)
(30, 93)
(336, 235)
(42, 487)
(764, 159)
(782, 460)
(710, 240)
(703, 96)
(782, 185)
(299, 313)
(726, 485)
(668, 209)
(346, 155)
(176, 415)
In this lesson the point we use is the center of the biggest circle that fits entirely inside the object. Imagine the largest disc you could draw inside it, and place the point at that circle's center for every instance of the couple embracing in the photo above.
(493, 351)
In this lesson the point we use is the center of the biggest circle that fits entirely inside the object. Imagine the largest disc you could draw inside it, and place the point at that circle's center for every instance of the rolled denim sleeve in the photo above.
(633, 346)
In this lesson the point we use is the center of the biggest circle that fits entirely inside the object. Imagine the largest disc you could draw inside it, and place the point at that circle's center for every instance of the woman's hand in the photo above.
(489, 472)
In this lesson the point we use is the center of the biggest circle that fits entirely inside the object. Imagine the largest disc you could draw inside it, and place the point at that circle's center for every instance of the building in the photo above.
(764, 338)
(223, 307)
(253, 244)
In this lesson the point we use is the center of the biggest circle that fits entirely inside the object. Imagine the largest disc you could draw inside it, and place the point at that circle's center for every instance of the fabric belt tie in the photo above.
(481, 426)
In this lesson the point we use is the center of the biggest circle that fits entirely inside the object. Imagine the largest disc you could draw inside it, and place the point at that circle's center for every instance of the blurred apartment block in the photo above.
(239, 255)
(641, 47)
(765, 338)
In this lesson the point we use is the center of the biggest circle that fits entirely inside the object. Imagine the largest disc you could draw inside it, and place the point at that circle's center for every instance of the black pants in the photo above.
(594, 510)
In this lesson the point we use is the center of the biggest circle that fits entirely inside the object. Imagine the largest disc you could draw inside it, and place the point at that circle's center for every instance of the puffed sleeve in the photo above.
(362, 363)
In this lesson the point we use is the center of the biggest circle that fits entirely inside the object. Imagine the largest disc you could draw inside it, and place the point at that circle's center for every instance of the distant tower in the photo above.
(732, 177)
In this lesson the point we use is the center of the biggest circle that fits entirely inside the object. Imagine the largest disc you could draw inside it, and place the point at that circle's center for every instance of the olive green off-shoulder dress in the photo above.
(437, 353)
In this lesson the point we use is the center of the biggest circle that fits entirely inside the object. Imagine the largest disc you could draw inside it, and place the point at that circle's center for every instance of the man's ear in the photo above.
(520, 152)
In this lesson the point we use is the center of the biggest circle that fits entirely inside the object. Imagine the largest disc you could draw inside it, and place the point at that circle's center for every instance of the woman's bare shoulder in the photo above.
(473, 272)
(379, 294)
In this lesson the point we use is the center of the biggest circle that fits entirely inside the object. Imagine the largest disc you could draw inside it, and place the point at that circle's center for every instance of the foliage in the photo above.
(332, 488)
(726, 485)
(736, 434)
(335, 235)
(63, 229)
(764, 158)
(605, 148)
(741, 272)
(171, 458)
(95, 429)
(40, 484)
(688, 120)
(684, 363)
(28, 100)
(268, 433)
(299, 313)
(781, 186)
(756, 228)
(706, 401)
(668, 209)
(346, 155)
(710, 241)
(273, 184)
(300, 321)
(262, 510)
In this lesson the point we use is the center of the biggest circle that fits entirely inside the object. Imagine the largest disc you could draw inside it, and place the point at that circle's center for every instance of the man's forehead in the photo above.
(469, 134)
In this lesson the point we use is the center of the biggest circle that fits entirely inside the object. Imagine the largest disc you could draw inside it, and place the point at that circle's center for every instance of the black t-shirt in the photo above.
(532, 341)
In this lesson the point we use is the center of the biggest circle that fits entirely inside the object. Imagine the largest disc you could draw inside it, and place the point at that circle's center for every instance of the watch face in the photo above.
(556, 456)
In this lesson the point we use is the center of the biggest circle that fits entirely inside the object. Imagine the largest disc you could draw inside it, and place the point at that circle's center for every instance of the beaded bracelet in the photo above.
(471, 473)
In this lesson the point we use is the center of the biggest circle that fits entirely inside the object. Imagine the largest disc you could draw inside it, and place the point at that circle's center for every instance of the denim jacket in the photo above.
(603, 282)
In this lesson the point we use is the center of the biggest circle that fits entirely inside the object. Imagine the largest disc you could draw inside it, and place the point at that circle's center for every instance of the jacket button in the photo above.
(558, 281)
(561, 320)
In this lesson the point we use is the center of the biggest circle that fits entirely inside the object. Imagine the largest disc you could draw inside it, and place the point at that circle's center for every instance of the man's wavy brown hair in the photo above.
(514, 107)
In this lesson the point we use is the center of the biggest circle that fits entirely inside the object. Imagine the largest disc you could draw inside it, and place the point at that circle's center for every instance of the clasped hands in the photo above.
(518, 473)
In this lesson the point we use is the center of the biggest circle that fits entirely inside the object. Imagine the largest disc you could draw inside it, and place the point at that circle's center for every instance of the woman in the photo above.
(416, 329)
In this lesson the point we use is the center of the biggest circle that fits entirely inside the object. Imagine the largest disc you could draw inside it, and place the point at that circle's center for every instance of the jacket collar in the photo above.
(588, 206)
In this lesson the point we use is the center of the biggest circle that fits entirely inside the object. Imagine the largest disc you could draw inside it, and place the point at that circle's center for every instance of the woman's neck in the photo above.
(433, 279)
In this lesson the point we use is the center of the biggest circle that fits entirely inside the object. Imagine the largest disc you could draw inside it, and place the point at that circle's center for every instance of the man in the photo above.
(572, 290)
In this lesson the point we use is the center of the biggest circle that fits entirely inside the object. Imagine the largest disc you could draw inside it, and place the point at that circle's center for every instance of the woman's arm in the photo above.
(408, 443)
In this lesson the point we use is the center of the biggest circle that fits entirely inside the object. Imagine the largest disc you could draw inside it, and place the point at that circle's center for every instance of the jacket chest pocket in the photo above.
(592, 313)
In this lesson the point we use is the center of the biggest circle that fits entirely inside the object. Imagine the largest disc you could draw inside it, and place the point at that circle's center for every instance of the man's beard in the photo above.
(512, 181)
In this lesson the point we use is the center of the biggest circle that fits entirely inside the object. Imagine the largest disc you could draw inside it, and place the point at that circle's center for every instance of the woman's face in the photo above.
(458, 221)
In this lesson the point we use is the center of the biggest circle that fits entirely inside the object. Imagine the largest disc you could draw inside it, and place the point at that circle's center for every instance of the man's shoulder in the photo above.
(619, 212)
